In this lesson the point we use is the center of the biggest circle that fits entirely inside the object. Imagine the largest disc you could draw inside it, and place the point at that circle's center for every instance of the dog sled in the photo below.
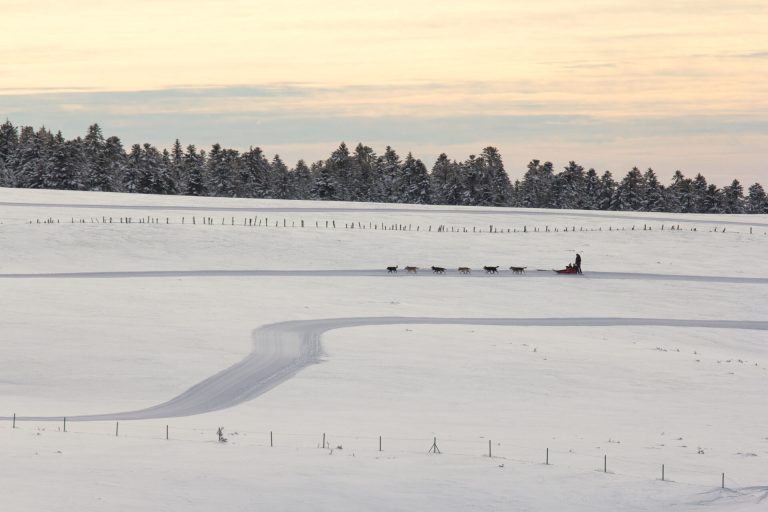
(570, 269)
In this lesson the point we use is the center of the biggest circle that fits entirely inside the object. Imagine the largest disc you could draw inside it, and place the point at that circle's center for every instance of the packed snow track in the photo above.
(424, 272)
(282, 349)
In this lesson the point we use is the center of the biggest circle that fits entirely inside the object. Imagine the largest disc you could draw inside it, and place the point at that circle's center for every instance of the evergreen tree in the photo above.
(536, 187)
(629, 193)
(115, 159)
(439, 177)
(414, 182)
(256, 172)
(195, 172)
(471, 171)
(340, 166)
(679, 199)
(176, 166)
(60, 170)
(96, 172)
(568, 187)
(316, 172)
(713, 200)
(32, 158)
(282, 186)
(698, 193)
(733, 198)
(302, 181)
(152, 174)
(133, 169)
(607, 197)
(221, 171)
(756, 200)
(496, 188)
(447, 186)
(9, 144)
(652, 193)
(364, 186)
(389, 172)
(591, 196)
(326, 186)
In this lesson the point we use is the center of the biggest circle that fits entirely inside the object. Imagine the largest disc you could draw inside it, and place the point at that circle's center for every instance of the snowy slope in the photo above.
(657, 355)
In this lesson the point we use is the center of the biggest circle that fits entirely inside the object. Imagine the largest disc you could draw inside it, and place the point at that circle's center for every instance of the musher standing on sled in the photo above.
(578, 263)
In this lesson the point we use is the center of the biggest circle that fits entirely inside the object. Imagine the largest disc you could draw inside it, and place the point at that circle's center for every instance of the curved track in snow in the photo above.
(282, 349)
(388, 210)
(425, 272)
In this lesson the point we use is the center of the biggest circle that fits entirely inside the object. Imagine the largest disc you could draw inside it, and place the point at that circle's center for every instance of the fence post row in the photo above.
(433, 449)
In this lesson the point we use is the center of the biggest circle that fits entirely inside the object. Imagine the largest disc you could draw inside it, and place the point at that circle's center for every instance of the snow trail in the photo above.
(423, 272)
(282, 349)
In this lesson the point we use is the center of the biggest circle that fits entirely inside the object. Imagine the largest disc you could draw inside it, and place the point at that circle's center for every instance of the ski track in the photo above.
(333, 209)
(280, 350)
(424, 272)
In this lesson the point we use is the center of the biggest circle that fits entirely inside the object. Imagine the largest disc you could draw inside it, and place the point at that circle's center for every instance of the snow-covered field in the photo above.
(658, 354)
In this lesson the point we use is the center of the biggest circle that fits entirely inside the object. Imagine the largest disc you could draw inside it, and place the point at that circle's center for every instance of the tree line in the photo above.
(32, 158)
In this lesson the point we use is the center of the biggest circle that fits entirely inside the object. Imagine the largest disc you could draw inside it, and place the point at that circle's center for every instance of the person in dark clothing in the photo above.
(578, 263)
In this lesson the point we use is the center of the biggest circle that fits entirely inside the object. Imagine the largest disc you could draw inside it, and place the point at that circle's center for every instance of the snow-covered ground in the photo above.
(658, 354)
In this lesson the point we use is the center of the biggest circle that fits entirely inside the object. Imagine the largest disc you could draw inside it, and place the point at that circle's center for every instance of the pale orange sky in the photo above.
(612, 62)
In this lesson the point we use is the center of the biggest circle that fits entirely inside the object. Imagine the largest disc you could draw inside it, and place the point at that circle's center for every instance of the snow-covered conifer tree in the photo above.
(414, 182)
(591, 195)
(536, 187)
(733, 198)
(756, 200)
(302, 181)
(652, 193)
(196, 183)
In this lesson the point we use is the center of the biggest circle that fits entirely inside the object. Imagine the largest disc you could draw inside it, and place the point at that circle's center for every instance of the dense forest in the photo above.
(32, 158)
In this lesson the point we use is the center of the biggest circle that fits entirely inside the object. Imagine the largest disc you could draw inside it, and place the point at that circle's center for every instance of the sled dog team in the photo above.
(461, 270)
